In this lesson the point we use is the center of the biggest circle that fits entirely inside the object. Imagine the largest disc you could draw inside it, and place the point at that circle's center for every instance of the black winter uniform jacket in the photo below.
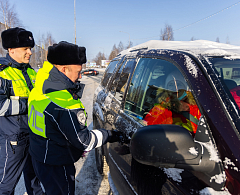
(13, 113)
(66, 138)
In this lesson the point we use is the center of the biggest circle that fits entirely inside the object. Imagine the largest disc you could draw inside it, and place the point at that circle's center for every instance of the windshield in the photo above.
(229, 72)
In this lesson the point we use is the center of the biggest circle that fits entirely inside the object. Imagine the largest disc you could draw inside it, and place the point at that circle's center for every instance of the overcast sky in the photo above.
(99, 22)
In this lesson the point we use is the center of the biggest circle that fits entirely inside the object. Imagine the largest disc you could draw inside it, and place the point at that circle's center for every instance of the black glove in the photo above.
(5, 87)
(79, 89)
(116, 136)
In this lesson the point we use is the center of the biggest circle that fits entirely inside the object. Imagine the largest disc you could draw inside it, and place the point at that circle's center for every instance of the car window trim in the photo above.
(105, 87)
(120, 61)
(114, 74)
(129, 80)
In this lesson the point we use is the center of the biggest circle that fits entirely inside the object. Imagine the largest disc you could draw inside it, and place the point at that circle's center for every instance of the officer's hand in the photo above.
(79, 89)
(116, 136)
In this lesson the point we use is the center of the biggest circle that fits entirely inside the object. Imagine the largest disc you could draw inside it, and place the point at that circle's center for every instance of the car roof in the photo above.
(197, 47)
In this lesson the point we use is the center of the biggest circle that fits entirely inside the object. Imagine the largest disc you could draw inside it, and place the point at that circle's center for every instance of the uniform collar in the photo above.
(15, 64)
(58, 81)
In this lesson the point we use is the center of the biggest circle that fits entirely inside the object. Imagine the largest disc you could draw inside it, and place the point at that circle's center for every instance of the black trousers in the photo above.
(15, 159)
(56, 179)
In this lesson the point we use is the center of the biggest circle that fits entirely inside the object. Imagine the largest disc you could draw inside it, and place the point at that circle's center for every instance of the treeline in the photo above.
(166, 34)
(115, 51)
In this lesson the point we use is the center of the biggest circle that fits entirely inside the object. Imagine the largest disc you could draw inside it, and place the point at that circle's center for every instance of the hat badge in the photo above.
(30, 38)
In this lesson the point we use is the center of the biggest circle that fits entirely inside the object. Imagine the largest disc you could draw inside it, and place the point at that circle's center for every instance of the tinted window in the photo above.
(229, 72)
(116, 79)
(121, 79)
(159, 94)
(108, 73)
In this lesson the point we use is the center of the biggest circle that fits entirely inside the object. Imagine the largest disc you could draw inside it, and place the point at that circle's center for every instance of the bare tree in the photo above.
(44, 42)
(120, 47)
(116, 50)
(49, 40)
(167, 33)
(217, 40)
(2, 51)
(227, 40)
(9, 16)
(193, 39)
(129, 45)
(98, 59)
(113, 53)
(39, 52)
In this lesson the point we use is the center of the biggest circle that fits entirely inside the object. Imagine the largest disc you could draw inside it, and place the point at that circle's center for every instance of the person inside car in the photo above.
(175, 105)
(154, 84)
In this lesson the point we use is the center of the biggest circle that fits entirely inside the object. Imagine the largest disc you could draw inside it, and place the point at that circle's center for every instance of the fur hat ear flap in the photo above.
(17, 37)
(65, 53)
(82, 54)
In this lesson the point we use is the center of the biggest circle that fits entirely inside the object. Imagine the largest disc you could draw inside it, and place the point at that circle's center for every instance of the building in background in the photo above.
(105, 63)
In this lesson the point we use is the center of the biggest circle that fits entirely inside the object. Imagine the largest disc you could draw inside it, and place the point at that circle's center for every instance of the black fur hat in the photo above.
(65, 53)
(17, 37)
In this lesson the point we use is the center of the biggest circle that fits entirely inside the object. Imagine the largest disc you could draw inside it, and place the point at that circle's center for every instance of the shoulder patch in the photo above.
(2, 67)
(81, 117)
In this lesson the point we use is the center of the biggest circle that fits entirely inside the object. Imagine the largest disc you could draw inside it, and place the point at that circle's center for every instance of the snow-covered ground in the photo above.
(88, 180)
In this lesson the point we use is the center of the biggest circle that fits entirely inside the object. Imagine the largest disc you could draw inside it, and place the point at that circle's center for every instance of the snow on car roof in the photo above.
(204, 47)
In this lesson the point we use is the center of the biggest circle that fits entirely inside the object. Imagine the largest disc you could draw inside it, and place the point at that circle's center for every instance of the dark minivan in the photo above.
(177, 104)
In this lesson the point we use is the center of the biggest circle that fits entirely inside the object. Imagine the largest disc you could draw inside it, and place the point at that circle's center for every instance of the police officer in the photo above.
(16, 81)
(58, 120)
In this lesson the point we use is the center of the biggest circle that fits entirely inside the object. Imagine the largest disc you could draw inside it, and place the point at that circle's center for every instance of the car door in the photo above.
(147, 90)
(161, 91)
(100, 95)
(118, 153)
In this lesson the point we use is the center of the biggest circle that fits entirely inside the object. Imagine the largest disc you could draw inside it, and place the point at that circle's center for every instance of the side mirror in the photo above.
(169, 146)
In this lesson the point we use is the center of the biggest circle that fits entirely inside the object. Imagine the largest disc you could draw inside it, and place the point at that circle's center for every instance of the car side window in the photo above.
(113, 86)
(108, 73)
(121, 79)
(159, 94)
(229, 74)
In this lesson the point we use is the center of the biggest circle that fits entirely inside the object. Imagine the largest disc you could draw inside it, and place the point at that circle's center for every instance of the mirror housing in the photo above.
(169, 146)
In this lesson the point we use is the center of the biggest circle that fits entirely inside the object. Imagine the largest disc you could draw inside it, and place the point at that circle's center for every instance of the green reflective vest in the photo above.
(38, 102)
(42, 75)
(19, 83)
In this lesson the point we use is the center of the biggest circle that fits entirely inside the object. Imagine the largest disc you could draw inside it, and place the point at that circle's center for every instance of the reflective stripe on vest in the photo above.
(65, 100)
(38, 103)
(19, 84)
(42, 75)
(36, 118)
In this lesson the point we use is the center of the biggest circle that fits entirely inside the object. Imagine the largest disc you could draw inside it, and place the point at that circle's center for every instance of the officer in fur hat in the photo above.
(58, 120)
(16, 81)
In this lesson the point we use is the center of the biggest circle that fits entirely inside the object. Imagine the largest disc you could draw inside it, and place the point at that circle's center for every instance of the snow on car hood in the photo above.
(203, 47)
